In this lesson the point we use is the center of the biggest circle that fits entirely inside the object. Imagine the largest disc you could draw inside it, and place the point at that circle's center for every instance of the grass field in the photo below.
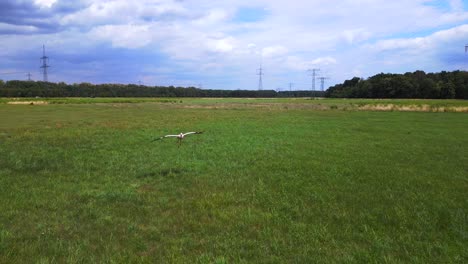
(270, 181)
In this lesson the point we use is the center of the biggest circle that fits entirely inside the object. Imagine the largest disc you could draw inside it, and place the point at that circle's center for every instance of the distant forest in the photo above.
(418, 84)
(49, 89)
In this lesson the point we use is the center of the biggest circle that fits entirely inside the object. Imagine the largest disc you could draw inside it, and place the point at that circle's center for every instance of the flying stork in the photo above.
(179, 136)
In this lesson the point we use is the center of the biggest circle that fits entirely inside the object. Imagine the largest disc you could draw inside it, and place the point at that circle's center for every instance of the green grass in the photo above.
(84, 183)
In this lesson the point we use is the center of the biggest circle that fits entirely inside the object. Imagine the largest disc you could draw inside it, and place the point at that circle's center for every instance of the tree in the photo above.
(428, 89)
(447, 91)
(409, 85)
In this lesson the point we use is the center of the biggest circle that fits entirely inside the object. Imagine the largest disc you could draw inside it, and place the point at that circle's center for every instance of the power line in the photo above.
(313, 74)
(44, 59)
(6, 73)
(14, 73)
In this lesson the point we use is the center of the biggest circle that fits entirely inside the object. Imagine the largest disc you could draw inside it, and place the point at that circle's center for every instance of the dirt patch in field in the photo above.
(28, 103)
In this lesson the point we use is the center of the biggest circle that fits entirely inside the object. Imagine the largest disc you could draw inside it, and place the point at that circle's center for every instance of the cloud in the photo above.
(99, 13)
(226, 40)
(42, 15)
(223, 45)
(124, 12)
(44, 3)
(423, 44)
(274, 51)
(299, 64)
(353, 36)
(17, 29)
(213, 16)
(123, 36)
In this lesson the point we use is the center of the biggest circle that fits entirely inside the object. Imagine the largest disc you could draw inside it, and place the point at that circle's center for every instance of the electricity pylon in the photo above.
(313, 74)
(322, 82)
(44, 66)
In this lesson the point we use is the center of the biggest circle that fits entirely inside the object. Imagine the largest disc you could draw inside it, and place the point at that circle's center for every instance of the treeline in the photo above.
(48, 89)
(418, 84)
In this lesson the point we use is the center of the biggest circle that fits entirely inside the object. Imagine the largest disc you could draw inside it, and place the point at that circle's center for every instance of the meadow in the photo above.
(269, 181)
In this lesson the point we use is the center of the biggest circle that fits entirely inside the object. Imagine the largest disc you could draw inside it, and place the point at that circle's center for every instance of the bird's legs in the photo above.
(179, 142)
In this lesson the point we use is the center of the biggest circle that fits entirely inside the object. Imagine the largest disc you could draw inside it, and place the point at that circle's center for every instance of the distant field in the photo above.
(270, 181)
(420, 105)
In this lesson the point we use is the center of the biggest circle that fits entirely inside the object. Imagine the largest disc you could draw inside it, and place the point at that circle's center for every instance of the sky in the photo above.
(222, 44)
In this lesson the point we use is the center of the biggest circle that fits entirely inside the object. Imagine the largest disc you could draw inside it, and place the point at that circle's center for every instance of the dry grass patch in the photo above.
(412, 108)
(28, 103)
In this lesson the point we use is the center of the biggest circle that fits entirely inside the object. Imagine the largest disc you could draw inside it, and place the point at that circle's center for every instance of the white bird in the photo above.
(179, 136)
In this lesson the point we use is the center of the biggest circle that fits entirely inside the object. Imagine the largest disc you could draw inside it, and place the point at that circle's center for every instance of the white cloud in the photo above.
(123, 36)
(44, 3)
(324, 61)
(402, 44)
(223, 45)
(213, 17)
(299, 64)
(123, 12)
(422, 44)
(102, 13)
(353, 36)
(274, 51)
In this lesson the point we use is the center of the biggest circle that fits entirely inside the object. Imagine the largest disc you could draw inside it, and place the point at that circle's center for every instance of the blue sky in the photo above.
(221, 44)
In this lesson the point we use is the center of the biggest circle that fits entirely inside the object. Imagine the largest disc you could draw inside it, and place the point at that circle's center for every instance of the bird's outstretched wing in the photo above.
(190, 133)
(166, 136)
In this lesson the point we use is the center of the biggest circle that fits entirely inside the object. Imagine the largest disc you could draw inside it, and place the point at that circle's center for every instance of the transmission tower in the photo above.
(313, 74)
(466, 48)
(260, 81)
(322, 82)
(29, 76)
(44, 60)
(290, 89)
